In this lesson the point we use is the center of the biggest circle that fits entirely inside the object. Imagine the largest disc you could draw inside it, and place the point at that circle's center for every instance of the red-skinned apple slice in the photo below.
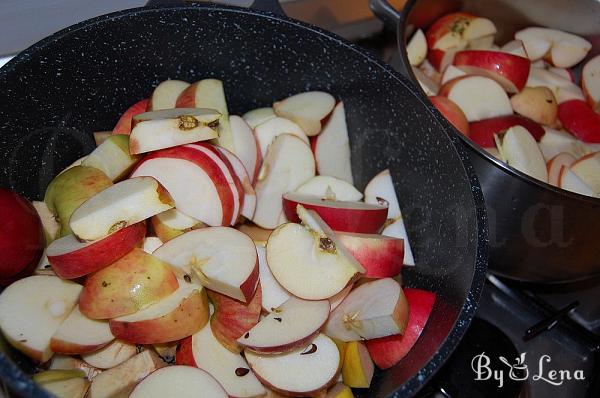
(290, 326)
(306, 371)
(339, 215)
(452, 113)
(308, 109)
(273, 294)
(249, 202)
(31, 311)
(330, 188)
(125, 203)
(79, 335)
(380, 190)
(332, 147)
(269, 130)
(590, 81)
(510, 71)
(204, 351)
(555, 166)
(165, 94)
(110, 356)
(123, 126)
(482, 131)
(245, 146)
(288, 164)
(478, 97)
(171, 127)
(388, 351)
(571, 182)
(588, 170)
(537, 104)
(180, 382)
(374, 309)
(223, 258)
(416, 48)
(259, 116)
(232, 318)
(580, 120)
(397, 230)
(380, 256)
(523, 153)
(563, 49)
(71, 258)
(308, 260)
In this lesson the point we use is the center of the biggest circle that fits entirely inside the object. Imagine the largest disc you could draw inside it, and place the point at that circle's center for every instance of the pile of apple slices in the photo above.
(521, 101)
(189, 237)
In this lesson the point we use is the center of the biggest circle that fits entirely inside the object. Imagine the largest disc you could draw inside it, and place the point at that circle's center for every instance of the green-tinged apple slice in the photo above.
(259, 116)
(172, 223)
(165, 94)
(122, 379)
(230, 369)
(222, 258)
(523, 153)
(171, 127)
(374, 309)
(130, 284)
(63, 383)
(123, 204)
(112, 157)
(180, 382)
(79, 334)
(308, 109)
(308, 260)
(273, 294)
(291, 325)
(110, 356)
(330, 188)
(49, 223)
(267, 132)
(175, 317)
(305, 371)
(31, 311)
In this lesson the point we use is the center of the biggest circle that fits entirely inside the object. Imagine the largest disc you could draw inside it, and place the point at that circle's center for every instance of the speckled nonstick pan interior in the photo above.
(56, 93)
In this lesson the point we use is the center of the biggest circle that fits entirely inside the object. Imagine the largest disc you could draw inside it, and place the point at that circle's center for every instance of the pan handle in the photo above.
(263, 5)
(386, 13)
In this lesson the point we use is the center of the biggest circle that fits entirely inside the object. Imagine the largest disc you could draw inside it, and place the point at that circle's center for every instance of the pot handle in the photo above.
(263, 5)
(386, 13)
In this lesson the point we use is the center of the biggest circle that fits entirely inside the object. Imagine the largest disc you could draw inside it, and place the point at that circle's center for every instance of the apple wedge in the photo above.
(180, 382)
(358, 368)
(67, 362)
(563, 89)
(307, 109)
(71, 258)
(271, 129)
(452, 113)
(223, 259)
(588, 170)
(63, 383)
(49, 224)
(380, 190)
(172, 223)
(125, 203)
(257, 234)
(123, 126)
(339, 390)
(288, 164)
(510, 71)
(555, 166)
(112, 157)
(273, 294)
(380, 256)
(249, 201)
(580, 120)
(31, 311)
(171, 127)
(339, 215)
(429, 86)
(128, 285)
(374, 309)
(151, 243)
(482, 131)
(245, 146)
(336, 300)
(565, 73)
(451, 72)
(165, 94)
(292, 325)
(515, 47)
(101, 136)
(523, 153)
(478, 97)
(388, 351)
(416, 49)
(209, 93)
(204, 351)
(330, 188)
(110, 356)
(397, 230)
(554, 142)
(122, 379)
(79, 335)
(305, 371)
(232, 318)
(537, 104)
(332, 147)
(590, 81)
(571, 182)
(259, 116)
(308, 260)
(562, 49)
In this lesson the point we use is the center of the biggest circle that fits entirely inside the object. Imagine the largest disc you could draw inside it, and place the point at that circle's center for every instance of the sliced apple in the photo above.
(308, 260)
(554, 142)
(571, 182)
(249, 201)
(397, 230)
(204, 351)
(223, 258)
(339, 390)
(151, 243)
(590, 81)
(79, 335)
(429, 86)
(358, 367)
(478, 97)
(180, 382)
(330, 188)
(171, 127)
(451, 72)
(565, 73)
(588, 170)
(172, 223)
(101, 136)
(110, 356)
(122, 379)
(339, 215)
(416, 48)
(510, 71)
(269, 130)
(123, 126)
(259, 116)
(257, 234)
(452, 113)
(336, 300)
(563, 49)
(232, 318)
(112, 157)
(523, 153)
(245, 146)
(380, 190)
(125, 203)
(515, 47)
(307, 109)
(71, 258)
(63, 383)
(128, 285)
(67, 362)
(273, 294)
(288, 164)
(31, 311)
(563, 89)
(380, 256)
(165, 94)
(555, 166)
(374, 309)
(388, 351)
(482, 131)
(580, 120)
(537, 104)
(49, 223)
(305, 371)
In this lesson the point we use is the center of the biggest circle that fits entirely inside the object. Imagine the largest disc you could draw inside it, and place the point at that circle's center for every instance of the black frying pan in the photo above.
(54, 94)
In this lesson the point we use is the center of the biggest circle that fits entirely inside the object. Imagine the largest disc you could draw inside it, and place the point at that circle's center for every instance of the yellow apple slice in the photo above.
(358, 367)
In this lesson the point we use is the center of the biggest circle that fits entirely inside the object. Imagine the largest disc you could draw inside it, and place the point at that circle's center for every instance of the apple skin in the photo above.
(452, 112)
(388, 351)
(185, 353)
(580, 120)
(123, 126)
(21, 237)
(381, 257)
(482, 132)
(99, 254)
(232, 318)
(444, 25)
(511, 67)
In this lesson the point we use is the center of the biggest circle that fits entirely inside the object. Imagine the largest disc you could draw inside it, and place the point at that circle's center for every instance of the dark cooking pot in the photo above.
(55, 93)
(538, 233)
